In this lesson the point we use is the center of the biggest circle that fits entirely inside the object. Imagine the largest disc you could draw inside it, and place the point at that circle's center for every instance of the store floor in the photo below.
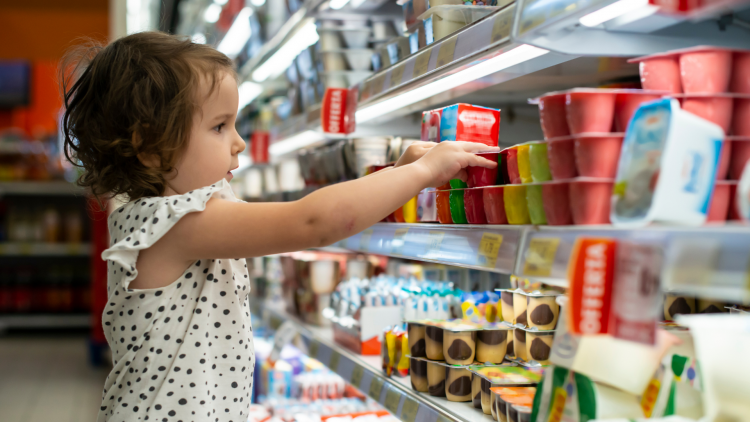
(47, 377)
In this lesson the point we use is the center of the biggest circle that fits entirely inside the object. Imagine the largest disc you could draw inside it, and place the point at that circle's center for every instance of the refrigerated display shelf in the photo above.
(40, 188)
(709, 261)
(42, 321)
(44, 249)
(365, 373)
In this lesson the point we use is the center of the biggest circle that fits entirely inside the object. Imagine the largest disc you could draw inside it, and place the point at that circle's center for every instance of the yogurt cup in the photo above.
(458, 210)
(524, 164)
(459, 347)
(458, 383)
(474, 206)
(718, 208)
(434, 342)
(442, 200)
(418, 375)
(740, 72)
(476, 391)
(535, 204)
(561, 158)
(626, 103)
(705, 69)
(597, 154)
(516, 210)
(417, 342)
(716, 108)
(514, 175)
(539, 162)
(590, 200)
(590, 110)
(494, 205)
(556, 202)
(492, 345)
(660, 72)
(741, 117)
(740, 156)
(552, 115)
(480, 176)
(436, 378)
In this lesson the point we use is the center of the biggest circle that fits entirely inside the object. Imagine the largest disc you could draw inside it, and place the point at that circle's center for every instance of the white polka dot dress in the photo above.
(182, 352)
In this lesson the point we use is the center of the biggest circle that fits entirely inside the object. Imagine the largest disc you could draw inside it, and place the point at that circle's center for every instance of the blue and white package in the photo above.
(667, 167)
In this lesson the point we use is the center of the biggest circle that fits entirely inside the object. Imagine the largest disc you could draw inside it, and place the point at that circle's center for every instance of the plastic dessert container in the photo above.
(626, 103)
(552, 115)
(660, 72)
(458, 211)
(474, 206)
(535, 204)
(524, 166)
(590, 110)
(716, 108)
(597, 155)
(481, 176)
(494, 205)
(561, 158)
(516, 210)
(741, 116)
(514, 176)
(539, 162)
(740, 148)
(590, 200)
(740, 72)
(705, 69)
(718, 208)
(722, 169)
(556, 201)
(444, 207)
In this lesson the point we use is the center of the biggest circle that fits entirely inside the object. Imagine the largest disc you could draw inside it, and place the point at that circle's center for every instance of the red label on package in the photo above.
(478, 125)
(431, 126)
(337, 113)
(635, 295)
(591, 273)
(259, 147)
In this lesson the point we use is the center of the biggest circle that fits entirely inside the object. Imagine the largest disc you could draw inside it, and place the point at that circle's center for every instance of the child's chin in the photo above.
(229, 176)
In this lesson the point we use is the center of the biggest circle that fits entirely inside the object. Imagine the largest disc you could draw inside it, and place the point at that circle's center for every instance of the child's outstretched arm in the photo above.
(238, 230)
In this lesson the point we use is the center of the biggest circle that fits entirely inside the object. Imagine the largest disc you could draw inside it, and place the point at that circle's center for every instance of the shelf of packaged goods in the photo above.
(40, 188)
(44, 249)
(364, 373)
(44, 321)
(632, 27)
(490, 248)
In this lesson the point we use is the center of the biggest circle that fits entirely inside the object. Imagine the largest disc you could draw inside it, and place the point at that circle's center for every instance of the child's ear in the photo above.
(148, 160)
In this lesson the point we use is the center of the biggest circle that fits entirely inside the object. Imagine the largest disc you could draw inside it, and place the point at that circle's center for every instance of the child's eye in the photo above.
(218, 127)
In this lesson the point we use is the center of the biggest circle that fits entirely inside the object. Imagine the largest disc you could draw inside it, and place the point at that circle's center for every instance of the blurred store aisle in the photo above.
(47, 378)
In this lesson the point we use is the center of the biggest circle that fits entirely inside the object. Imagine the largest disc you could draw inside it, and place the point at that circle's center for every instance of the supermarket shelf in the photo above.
(556, 25)
(41, 321)
(40, 188)
(44, 249)
(490, 248)
(364, 373)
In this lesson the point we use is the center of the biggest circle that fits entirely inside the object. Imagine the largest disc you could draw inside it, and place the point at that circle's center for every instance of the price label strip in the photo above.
(445, 54)
(313, 349)
(74, 248)
(376, 386)
(397, 74)
(489, 247)
(399, 238)
(540, 256)
(503, 24)
(333, 363)
(376, 87)
(434, 240)
(392, 399)
(25, 248)
(409, 410)
(421, 63)
(364, 240)
(357, 374)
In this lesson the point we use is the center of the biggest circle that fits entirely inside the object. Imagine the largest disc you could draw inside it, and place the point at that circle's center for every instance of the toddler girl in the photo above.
(152, 117)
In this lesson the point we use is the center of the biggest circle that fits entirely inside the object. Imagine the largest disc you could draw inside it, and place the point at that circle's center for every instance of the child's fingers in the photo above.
(475, 147)
(479, 161)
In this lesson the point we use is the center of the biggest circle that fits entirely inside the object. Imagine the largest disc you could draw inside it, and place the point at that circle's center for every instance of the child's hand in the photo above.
(415, 151)
(448, 160)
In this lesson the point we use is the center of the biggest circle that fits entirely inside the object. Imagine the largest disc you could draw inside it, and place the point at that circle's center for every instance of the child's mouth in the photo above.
(229, 175)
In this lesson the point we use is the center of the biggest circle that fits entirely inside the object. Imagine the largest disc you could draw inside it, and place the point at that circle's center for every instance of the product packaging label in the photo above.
(591, 274)
(469, 123)
(337, 112)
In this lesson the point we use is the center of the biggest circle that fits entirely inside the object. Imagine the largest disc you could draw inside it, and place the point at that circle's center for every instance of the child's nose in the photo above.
(239, 144)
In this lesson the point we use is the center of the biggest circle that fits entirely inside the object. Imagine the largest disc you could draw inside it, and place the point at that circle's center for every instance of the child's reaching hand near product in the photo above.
(152, 116)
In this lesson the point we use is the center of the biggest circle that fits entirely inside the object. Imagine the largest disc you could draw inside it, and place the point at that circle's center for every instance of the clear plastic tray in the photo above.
(442, 21)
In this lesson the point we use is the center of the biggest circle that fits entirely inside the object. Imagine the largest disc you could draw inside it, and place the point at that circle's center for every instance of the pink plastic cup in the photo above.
(562, 159)
(734, 208)
(719, 206)
(494, 205)
(552, 116)
(706, 71)
(474, 206)
(556, 202)
(590, 201)
(661, 74)
(480, 176)
(597, 156)
(726, 154)
(716, 109)
(740, 157)
(740, 73)
(741, 117)
(590, 111)
(625, 106)
(513, 174)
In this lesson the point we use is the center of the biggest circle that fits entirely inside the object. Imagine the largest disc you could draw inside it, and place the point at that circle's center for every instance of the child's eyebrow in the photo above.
(221, 117)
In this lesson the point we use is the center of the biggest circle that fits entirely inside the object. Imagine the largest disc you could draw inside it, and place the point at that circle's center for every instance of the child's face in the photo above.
(214, 144)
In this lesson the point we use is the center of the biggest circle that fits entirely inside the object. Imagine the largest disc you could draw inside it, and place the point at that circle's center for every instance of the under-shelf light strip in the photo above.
(612, 11)
(305, 36)
(238, 35)
(505, 60)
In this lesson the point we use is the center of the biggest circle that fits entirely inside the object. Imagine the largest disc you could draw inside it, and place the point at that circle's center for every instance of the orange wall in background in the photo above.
(40, 31)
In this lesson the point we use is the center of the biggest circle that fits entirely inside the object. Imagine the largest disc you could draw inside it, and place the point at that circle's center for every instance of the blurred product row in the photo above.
(51, 288)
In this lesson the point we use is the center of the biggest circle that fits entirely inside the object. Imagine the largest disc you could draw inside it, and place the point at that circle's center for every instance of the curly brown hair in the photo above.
(136, 96)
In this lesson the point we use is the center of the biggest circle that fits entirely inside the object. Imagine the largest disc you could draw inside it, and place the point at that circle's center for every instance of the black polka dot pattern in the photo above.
(185, 350)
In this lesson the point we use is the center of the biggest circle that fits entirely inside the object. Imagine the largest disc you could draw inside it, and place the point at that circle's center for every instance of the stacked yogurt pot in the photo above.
(712, 83)
(343, 53)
